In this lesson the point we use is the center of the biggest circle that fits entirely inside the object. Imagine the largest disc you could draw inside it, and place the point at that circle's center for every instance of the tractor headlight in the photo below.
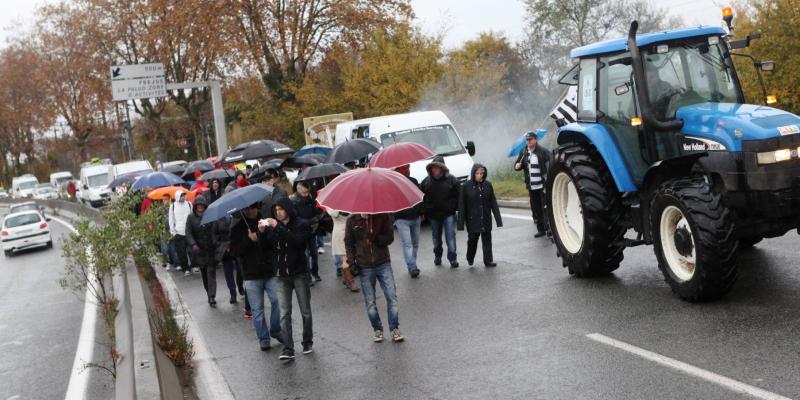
(772, 157)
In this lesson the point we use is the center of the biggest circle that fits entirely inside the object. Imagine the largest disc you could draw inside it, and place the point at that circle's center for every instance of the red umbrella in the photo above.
(400, 154)
(370, 191)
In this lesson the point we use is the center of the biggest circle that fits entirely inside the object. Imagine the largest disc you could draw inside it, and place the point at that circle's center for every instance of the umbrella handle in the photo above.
(245, 221)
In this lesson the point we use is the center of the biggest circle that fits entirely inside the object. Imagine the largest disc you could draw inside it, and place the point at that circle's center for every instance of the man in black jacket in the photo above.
(200, 240)
(367, 239)
(534, 160)
(287, 236)
(306, 208)
(476, 205)
(214, 192)
(408, 223)
(270, 180)
(441, 203)
(259, 275)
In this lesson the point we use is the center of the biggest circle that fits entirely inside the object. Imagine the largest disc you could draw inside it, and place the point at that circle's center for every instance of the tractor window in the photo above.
(617, 106)
(587, 91)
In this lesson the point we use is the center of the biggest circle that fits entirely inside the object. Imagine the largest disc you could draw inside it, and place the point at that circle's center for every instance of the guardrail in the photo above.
(134, 339)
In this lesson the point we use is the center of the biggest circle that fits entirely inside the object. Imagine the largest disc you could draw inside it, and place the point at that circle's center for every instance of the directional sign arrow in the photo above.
(115, 72)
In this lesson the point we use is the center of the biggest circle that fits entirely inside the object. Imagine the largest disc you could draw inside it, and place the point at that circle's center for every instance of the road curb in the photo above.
(514, 203)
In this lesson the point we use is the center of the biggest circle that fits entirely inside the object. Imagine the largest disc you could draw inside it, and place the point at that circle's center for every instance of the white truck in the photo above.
(93, 188)
(138, 167)
(431, 129)
(59, 181)
(23, 186)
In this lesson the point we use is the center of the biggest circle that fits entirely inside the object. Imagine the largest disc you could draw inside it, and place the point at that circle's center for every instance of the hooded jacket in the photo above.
(524, 158)
(287, 242)
(211, 195)
(367, 239)
(200, 235)
(271, 200)
(254, 256)
(178, 214)
(306, 209)
(441, 194)
(477, 203)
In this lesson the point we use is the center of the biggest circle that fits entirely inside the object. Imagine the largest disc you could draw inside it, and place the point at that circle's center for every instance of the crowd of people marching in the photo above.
(269, 251)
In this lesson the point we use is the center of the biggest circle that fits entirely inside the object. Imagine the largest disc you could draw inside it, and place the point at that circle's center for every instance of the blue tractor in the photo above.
(665, 144)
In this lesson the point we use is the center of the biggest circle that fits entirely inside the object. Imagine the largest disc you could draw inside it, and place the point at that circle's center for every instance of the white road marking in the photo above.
(516, 216)
(688, 369)
(79, 378)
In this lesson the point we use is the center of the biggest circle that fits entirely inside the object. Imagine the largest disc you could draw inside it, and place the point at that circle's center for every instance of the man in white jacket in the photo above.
(179, 212)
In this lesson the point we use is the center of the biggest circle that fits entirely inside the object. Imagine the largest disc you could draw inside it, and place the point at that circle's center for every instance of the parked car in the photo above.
(24, 230)
(3, 194)
(26, 206)
(45, 191)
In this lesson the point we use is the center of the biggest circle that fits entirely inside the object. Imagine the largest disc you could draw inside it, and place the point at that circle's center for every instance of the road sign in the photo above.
(139, 81)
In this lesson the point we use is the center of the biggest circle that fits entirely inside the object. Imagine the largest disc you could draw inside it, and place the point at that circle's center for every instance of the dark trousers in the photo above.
(486, 246)
(233, 277)
(537, 209)
(180, 248)
(311, 255)
(299, 284)
(209, 274)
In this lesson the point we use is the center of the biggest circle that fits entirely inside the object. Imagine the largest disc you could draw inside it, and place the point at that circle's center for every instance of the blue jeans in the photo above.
(255, 293)
(168, 249)
(408, 229)
(300, 284)
(383, 274)
(449, 225)
(338, 261)
(311, 256)
(233, 277)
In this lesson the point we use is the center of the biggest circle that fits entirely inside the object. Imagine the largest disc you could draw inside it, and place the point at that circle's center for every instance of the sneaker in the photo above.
(378, 337)
(437, 261)
(178, 268)
(287, 355)
(168, 267)
(320, 251)
(454, 264)
(307, 349)
(397, 336)
(247, 315)
(414, 273)
(265, 348)
(196, 270)
(490, 264)
(317, 278)
(539, 234)
(187, 273)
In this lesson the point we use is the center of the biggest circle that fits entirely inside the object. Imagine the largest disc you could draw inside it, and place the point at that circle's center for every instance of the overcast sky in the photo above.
(460, 19)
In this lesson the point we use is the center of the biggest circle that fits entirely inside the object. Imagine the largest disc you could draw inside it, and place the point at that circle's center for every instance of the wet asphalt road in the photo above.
(40, 325)
(518, 331)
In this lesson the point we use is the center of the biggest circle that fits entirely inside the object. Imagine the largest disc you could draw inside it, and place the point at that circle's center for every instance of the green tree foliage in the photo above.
(777, 21)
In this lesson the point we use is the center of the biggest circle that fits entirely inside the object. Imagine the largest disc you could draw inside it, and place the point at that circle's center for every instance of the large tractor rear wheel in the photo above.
(693, 235)
(585, 211)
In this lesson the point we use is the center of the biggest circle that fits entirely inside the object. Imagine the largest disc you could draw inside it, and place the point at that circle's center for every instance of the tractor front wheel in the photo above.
(585, 211)
(693, 236)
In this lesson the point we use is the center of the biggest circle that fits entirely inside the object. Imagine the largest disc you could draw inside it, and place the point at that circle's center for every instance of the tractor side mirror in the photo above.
(622, 89)
(767, 65)
(471, 148)
(85, 187)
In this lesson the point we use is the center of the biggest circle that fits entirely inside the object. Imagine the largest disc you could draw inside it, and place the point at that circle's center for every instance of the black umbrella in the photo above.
(255, 150)
(353, 150)
(299, 161)
(199, 165)
(235, 201)
(121, 180)
(221, 174)
(176, 169)
(321, 171)
(259, 172)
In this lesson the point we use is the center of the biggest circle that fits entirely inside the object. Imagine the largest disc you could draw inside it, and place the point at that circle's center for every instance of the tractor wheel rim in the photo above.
(567, 213)
(679, 251)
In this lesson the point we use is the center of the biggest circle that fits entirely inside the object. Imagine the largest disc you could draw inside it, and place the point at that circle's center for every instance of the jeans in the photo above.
(311, 255)
(168, 249)
(320, 240)
(300, 285)
(448, 224)
(408, 229)
(537, 208)
(486, 245)
(383, 274)
(338, 261)
(255, 292)
(233, 277)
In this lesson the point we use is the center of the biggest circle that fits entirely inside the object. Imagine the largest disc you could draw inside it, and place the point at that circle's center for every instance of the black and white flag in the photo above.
(566, 111)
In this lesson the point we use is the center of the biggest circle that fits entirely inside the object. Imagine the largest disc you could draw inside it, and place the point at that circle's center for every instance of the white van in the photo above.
(23, 186)
(138, 168)
(59, 180)
(431, 129)
(93, 188)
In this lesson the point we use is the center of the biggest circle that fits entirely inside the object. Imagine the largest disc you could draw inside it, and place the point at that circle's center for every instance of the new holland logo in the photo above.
(788, 130)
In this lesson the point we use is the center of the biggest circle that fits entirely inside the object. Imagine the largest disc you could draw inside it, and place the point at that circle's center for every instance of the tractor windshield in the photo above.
(688, 72)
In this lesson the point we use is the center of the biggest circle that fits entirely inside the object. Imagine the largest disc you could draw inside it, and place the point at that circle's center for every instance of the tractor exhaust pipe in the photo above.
(642, 91)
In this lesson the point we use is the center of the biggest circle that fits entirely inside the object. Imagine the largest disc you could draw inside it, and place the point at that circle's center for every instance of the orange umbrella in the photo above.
(170, 191)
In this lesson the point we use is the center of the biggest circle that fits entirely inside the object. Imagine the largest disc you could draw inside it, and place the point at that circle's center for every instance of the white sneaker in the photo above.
(178, 268)
(196, 270)
(396, 336)
(187, 273)
(321, 251)
(378, 337)
(168, 267)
